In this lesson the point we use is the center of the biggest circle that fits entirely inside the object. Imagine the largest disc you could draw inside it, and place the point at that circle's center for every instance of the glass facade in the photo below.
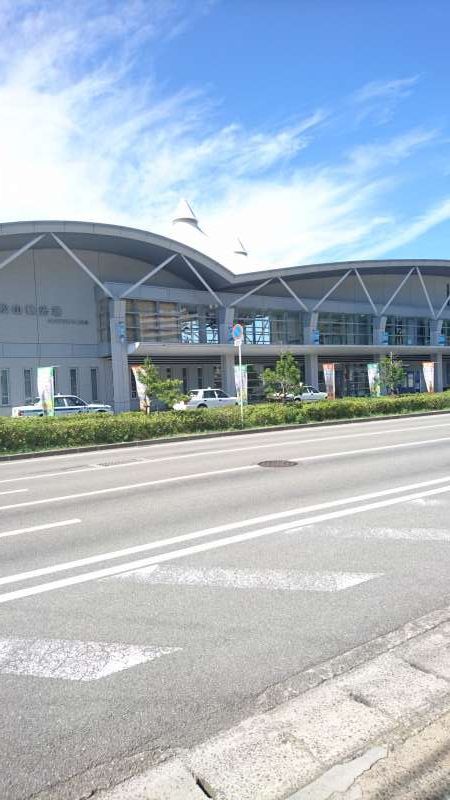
(345, 328)
(408, 331)
(153, 321)
(270, 327)
(446, 331)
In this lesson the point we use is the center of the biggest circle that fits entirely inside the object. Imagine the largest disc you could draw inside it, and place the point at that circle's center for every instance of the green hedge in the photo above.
(29, 434)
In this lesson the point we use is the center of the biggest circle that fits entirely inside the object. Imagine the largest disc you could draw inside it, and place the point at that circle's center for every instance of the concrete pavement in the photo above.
(149, 600)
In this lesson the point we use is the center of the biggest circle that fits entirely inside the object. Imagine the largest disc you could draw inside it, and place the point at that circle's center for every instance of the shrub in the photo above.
(26, 434)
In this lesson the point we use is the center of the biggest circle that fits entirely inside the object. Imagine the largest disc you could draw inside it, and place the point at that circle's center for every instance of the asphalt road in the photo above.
(149, 596)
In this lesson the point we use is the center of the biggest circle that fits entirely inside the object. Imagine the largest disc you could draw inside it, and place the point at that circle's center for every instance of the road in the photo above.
(148, 596)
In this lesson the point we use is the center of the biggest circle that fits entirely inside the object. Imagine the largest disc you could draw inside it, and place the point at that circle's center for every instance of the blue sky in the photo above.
(315, 130)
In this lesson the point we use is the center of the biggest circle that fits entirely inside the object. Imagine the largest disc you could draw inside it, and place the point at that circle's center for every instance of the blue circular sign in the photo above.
(237, 331)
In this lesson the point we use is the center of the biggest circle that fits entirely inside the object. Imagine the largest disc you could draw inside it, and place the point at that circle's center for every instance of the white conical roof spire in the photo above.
(239, 249)
(184, 213)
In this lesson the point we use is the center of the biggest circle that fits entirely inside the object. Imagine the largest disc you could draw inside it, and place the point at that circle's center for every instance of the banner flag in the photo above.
(46, 389)
(140, 389)
(241, 382)
(428, 374)
(373, 372)
(329, 378)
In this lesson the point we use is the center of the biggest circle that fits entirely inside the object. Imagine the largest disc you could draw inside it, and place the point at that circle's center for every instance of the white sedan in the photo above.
(207, 398)
(309, 394)
(65, 405)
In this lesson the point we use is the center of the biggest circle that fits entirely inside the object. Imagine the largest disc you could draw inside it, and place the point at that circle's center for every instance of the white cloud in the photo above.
(408, 231)
(392, 89)
(80, 139)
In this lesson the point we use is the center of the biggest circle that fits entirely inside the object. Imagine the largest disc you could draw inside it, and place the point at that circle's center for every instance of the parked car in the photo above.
(309, 394)
(306, 394)
(207, 398)
(65, 405)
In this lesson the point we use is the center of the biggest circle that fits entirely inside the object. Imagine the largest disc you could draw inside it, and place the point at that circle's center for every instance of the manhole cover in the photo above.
(277, 463)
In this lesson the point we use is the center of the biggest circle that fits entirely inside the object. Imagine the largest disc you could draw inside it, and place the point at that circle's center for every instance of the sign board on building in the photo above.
(315, 336)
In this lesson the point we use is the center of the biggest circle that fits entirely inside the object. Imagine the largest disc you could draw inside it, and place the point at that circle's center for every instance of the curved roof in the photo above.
(153, 248)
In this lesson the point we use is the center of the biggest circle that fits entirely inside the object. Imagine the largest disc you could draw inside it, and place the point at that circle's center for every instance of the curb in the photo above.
(213, 435)
(344, 715)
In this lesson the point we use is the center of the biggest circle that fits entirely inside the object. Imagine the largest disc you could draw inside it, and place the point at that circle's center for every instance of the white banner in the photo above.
(329, 378)
(241, 382)
(140, 389)
(428, 375)
(373, 373)
(46, 389)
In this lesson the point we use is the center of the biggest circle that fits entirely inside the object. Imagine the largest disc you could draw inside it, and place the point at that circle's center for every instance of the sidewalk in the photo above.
(372, 723)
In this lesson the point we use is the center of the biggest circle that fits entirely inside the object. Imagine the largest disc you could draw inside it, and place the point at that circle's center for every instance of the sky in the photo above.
(315, 130)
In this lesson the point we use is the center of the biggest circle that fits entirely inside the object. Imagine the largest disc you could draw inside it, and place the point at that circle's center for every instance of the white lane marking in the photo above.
(422, 502)
(227, 527)
(48, 526)
(73, 660)
(232, 450)
(406, 534)
(14, 491)
(212, 473)
(127, 486)
(201, 548)
(271, 579)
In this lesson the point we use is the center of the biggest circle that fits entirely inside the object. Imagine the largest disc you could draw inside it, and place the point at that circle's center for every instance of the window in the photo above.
(271, 326)
(169, 373)
(185, 380)
(94, 385)
(220, 393)
(60, 402)
(74, 380)
(208, 394)
(200, 377)
(217, 376)
(345, 328)
(4, 387)
(75, 401)
(133, 385)
(408, 330)
(27, 385)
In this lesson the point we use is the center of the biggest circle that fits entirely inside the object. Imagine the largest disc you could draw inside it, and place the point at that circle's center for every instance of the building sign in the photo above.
(315, 336)
(53, 314)
(441, 339)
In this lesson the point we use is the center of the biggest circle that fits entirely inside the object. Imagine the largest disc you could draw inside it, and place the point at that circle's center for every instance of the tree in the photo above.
(156, 388)
(284, 378)
(392, 373)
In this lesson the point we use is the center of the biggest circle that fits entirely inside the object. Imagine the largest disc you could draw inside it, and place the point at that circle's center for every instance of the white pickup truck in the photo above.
(65, 405)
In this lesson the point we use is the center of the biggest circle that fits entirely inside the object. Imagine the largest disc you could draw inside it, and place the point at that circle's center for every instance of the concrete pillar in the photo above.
(435, 331)
(438, 373)
(310, 328)
(119, 356)
(226, 319)
(312, 369)
(227, 365)
(379, 329)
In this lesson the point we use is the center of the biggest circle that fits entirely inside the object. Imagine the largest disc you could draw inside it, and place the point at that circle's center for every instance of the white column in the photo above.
(227, 366)
(311, 324)
(379, 328)
(119, 356)
(312, 369)
(438, 373)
